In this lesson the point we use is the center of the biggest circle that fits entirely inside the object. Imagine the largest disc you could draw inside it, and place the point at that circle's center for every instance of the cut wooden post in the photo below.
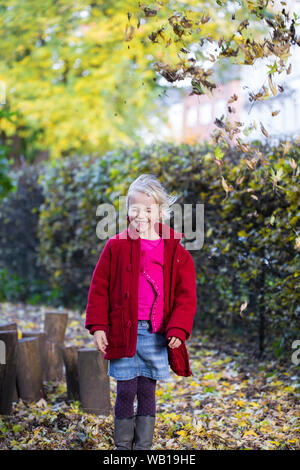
(41, 335)
(94, 382)
(8, 369)
(8, 326)
(54, 369)
(12, 327)
(70, 355)
(55, 327)
(29, 370)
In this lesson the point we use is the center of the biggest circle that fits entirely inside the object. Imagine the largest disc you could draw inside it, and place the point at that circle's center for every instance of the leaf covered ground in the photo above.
(231, 401)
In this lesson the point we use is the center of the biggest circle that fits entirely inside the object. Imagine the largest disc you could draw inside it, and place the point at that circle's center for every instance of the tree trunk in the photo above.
(94, 383)
(29, 370)
(70, 355)
(8, 369)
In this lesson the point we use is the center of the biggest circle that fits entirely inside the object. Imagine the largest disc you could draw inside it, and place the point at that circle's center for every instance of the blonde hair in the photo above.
(149, 184)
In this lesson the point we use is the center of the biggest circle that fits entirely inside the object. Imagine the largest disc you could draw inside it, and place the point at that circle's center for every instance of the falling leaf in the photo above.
(129, 30)
(149, 11)
(218, 153)
(251, 164)
(240, 180)
(242, 308)
(286, 146)
(233, 98)
(205, 19)
(272, 86)
(218, 162)
(263, 130)
(293, 163)
(225, 185)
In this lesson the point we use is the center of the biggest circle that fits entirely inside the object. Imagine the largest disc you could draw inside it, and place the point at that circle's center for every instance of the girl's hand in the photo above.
(100, 340)
(174, 342)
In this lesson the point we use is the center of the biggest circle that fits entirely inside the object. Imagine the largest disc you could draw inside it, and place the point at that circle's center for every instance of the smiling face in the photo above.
(143, 212)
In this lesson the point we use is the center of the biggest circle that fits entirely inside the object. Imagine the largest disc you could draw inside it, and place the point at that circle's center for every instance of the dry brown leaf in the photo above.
(225, 185)
(232, 98)
(272, 86)
(242, 308)
(264, 130)
(240, 180)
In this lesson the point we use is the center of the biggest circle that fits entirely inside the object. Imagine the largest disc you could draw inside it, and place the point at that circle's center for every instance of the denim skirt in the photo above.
(150, 359)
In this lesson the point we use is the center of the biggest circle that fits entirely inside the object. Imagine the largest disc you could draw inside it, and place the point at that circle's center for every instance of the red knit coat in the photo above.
(112, 304)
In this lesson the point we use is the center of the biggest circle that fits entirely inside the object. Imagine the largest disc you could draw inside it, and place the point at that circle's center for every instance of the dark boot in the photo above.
(123, 433)
(144, 429)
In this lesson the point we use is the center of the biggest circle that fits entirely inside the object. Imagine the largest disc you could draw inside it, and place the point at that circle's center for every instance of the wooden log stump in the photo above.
(54, 369)
(8, 369)
(55, 326)
(12, 327)
(70, 356)
(41, 335)
(29, 370)
(8, 326)
(94, 385)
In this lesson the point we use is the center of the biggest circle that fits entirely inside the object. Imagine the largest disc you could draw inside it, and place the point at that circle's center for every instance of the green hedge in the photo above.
(249, 246)
(22, 275)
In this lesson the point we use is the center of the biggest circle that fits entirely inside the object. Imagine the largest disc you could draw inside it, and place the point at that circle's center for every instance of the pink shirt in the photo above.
(151, 282)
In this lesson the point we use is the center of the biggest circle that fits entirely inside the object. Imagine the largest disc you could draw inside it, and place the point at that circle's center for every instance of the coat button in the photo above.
(126, 295)
(129, 323)
(129, 267)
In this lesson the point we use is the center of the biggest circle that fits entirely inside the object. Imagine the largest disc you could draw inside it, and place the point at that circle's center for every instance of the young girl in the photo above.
(140, 309)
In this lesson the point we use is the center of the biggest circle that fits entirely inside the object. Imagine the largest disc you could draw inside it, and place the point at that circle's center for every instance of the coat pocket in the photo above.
(179, 360)
(116, 334)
